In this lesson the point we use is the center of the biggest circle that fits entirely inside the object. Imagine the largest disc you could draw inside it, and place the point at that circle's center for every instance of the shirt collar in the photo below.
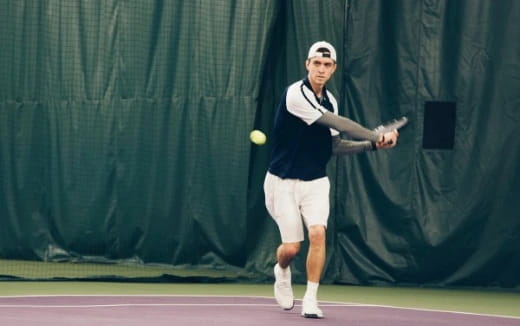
(307, 83)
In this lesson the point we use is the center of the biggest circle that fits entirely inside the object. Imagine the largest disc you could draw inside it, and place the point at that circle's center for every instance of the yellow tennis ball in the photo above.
(257, 137)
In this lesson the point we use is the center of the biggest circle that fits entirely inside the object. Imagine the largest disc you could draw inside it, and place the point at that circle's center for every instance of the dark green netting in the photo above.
(124, 137)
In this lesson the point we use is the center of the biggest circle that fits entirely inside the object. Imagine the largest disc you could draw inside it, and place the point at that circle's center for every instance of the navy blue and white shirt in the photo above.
(301, 148)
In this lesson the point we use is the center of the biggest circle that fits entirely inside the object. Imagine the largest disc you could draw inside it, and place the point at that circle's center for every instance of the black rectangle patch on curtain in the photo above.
(439, 124)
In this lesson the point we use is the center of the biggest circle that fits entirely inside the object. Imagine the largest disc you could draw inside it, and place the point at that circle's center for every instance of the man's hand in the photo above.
(387, 140)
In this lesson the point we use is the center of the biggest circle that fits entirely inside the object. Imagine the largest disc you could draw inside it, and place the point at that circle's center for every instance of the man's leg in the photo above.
(316, 254)
(315, 263)
(286, 253)
(281, 200)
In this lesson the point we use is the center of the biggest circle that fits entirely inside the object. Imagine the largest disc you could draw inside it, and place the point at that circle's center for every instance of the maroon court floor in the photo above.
(216, 310)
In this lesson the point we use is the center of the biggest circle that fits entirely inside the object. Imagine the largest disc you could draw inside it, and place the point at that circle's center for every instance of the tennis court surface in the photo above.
(216, 310)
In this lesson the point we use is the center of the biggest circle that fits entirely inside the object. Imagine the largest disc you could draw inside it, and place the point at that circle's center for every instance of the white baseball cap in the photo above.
(322, 49)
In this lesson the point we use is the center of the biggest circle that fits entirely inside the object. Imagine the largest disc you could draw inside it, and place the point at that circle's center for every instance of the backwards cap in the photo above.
(322, 49)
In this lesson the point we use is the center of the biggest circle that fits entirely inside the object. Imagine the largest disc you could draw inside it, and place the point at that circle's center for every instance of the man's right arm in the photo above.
(347, 126)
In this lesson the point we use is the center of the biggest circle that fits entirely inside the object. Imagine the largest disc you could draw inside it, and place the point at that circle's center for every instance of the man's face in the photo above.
(320, 69)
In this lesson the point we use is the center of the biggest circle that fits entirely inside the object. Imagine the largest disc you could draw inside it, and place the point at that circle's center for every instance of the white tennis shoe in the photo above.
(310, 308)
(283, 292)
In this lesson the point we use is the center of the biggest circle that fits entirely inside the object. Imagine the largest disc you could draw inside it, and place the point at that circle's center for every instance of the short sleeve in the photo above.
(300, 104)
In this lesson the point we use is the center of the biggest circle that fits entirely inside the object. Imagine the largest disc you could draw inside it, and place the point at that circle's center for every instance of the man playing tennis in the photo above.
(305, 136)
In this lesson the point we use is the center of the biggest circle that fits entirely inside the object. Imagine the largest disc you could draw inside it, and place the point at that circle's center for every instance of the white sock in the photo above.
(312, 290)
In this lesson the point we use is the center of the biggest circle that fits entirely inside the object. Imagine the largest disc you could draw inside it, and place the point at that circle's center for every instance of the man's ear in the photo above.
(334, 67)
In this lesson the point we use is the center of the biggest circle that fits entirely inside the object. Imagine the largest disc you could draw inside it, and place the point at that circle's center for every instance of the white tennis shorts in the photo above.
(293, 203)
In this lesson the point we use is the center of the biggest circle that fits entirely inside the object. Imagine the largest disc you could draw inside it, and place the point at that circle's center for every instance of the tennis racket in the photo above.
(391, 125)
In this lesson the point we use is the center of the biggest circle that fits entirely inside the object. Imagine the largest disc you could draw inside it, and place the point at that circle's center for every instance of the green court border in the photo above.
(488, 302)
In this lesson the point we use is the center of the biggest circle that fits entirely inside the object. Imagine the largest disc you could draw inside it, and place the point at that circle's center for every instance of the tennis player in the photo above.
(306, 134)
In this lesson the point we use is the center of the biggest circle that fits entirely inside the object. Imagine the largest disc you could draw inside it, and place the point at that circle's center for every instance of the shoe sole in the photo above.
(314, 316)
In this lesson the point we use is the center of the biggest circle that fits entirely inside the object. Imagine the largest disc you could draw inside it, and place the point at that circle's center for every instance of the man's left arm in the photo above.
(346, 147)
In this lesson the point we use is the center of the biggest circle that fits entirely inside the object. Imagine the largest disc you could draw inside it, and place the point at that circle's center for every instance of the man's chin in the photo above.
(322, 80)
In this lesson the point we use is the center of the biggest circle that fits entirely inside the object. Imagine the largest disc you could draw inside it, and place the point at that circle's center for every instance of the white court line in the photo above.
(322, 303)
(442, 311)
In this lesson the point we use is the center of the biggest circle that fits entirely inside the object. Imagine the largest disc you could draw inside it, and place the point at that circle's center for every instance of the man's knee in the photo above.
(291, 249)
(317, 235)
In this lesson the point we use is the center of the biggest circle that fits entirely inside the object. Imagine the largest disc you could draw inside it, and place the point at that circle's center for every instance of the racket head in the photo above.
(392, 125)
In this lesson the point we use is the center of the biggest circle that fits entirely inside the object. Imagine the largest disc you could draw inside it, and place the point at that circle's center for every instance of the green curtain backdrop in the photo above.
(124, 134)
